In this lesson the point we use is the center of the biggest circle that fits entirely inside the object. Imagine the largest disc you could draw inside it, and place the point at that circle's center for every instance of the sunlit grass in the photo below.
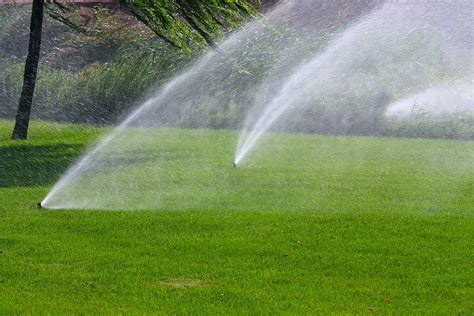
(308, 224)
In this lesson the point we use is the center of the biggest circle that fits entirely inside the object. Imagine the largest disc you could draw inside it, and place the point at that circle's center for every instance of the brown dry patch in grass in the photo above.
(47, 266)
(181, 283)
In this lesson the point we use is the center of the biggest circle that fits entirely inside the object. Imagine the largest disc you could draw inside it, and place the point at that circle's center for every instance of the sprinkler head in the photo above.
(39, 205)
(234, 165)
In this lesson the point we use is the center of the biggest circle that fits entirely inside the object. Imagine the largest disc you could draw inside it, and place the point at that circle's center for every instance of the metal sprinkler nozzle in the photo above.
(39, 205)
(234, 165)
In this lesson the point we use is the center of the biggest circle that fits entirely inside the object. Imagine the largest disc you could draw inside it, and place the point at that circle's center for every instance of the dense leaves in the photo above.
(180, 22)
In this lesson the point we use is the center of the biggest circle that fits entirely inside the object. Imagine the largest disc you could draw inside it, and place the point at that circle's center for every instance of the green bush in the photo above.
(449, 126)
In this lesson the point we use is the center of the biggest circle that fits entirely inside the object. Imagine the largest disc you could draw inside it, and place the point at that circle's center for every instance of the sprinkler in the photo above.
(39, 205)
(234, 165)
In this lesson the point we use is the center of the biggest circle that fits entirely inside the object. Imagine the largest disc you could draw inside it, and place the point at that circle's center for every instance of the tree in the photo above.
(20, 130)
(178, 22)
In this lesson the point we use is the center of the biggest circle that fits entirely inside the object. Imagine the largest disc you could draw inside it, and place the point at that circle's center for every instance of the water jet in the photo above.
(394, 50)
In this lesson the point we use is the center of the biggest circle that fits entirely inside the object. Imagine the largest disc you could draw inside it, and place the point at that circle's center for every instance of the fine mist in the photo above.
(296, 71)
(396, 50)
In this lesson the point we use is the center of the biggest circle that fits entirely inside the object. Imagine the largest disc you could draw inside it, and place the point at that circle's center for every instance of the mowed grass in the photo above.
(308, 224)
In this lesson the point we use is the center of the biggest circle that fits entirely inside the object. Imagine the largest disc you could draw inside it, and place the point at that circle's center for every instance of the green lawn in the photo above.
(308, 224)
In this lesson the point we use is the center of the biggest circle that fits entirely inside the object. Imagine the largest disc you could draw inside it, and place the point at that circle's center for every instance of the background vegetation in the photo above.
(100, 76)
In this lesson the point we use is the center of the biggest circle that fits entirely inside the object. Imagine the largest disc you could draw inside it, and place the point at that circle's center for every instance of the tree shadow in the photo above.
(43, 165)
(35, 165)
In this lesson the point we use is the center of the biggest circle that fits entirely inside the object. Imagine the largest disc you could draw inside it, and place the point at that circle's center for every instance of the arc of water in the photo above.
(329, 65)
(272, 112)
(90, 156)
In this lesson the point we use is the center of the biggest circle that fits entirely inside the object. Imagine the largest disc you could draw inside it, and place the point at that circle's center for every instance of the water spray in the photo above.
(304, 85)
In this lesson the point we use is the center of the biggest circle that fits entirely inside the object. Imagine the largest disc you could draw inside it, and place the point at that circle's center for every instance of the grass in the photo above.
(308, 224)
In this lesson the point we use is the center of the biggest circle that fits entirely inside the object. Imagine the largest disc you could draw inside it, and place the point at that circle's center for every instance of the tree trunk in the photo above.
(31, 66)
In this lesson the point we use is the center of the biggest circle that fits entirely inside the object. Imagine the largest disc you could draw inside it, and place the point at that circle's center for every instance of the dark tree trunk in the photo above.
(31, 66)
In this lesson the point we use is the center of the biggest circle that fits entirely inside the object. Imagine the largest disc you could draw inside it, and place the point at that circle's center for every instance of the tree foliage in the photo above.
(180, 22)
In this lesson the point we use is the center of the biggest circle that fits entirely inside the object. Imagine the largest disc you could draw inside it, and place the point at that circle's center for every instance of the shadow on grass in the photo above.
(35, 165)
